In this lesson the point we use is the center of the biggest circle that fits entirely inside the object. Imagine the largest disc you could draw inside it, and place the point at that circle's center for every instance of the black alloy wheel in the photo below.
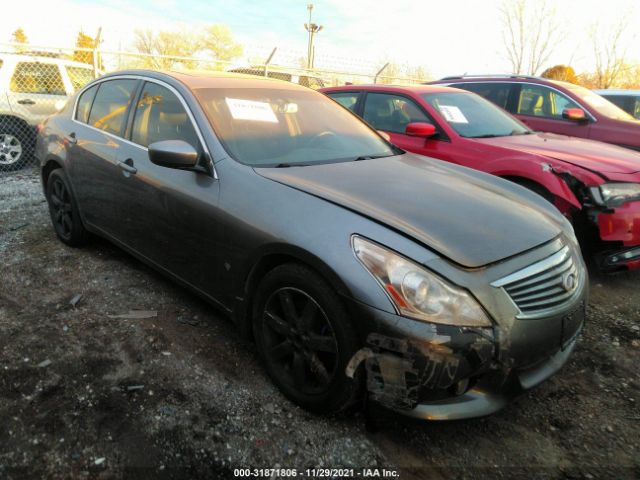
(299, 339)
(306, 339)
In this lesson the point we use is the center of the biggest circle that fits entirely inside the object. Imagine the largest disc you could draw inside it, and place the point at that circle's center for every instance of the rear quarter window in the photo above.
(84, 104)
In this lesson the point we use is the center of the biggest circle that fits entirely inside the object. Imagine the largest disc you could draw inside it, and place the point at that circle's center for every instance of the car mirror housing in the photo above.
(420, 129)
(574, 114)
(173, 154)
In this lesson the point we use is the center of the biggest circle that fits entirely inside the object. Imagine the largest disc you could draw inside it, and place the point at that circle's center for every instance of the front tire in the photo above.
(305, 339)
(63, 210)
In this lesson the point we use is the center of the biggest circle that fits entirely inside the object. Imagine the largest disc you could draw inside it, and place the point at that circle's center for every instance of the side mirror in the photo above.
(173, 154)
(420, 129)
(574, 114)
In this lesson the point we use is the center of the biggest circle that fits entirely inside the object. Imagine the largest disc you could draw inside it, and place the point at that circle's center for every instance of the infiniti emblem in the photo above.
(569, 282)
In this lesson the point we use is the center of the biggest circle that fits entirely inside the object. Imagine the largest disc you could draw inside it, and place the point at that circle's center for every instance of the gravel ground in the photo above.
(87, 391)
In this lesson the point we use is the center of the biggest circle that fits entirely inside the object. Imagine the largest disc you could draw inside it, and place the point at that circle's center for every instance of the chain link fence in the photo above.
(37, 81)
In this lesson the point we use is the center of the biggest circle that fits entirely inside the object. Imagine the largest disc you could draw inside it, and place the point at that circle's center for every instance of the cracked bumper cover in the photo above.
(442, 372)
(622, 227)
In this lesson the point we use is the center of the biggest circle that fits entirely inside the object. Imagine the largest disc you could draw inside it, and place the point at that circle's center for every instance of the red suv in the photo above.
(595, 185)
(553, 106)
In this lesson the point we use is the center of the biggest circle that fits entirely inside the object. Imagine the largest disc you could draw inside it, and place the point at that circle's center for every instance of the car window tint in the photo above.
(84, 104)
(109, 108)
(160, 116)
(37, 78)
(540, 101)
(497, 93)
(392, 113)
(79, 76)
(346, 99)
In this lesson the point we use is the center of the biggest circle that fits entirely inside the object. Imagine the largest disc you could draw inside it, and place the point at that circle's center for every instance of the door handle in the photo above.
(71, 138)
(127, 166)
(26, 101)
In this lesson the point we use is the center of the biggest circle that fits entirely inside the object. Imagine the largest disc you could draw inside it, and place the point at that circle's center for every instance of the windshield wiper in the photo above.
(287, 165)
(488, 135)
(526, 132)
(370, 157)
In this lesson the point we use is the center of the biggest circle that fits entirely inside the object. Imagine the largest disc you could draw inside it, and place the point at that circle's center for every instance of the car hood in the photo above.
(589, 154)
(469, 217)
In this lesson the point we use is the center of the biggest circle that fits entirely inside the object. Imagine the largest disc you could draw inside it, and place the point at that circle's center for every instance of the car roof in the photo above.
(417, 89)
(196, 79)
(502, 78)
(43, 59)
(619, 91)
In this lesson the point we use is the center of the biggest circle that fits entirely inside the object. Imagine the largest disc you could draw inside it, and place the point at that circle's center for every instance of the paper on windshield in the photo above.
(452, 114)
(251, 110)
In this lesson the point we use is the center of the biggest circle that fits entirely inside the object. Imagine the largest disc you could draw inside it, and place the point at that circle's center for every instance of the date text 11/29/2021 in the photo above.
(316, 472)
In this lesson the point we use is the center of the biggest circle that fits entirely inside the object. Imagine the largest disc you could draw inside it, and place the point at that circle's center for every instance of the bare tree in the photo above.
(609, 54)
(530, 34)
(164, 47)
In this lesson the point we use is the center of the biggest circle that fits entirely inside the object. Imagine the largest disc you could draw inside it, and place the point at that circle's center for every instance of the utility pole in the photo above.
(312, 28)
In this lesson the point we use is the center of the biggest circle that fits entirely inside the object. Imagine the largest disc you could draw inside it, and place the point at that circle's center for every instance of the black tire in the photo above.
(305, 350)
(17, 142)
(63, 210)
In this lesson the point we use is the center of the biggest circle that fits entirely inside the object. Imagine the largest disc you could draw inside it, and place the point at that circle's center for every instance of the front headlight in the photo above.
(416, 292)
(615, 194)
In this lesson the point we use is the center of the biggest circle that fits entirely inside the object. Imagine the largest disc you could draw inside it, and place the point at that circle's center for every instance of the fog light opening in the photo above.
(462, 386)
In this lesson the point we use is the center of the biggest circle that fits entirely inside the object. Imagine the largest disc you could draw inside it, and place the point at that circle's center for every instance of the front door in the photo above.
(540, 108)
(168, 215)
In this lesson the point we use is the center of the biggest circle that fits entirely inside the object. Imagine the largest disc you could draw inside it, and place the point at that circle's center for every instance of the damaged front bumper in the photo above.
(619, 231)
(443, 372)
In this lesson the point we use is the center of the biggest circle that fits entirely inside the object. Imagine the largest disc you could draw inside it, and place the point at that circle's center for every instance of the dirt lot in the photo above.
(179, 394)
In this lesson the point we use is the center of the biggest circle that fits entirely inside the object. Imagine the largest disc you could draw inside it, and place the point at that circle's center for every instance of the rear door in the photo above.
(540, 108)
(96, 142)
(36, 90)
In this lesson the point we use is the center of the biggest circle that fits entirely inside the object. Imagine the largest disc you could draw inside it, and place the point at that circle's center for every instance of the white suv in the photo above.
(31, 89)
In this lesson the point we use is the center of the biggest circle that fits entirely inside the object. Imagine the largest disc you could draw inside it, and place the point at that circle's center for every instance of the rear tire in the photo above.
(305, 339)
(17, 143)
(63, 210)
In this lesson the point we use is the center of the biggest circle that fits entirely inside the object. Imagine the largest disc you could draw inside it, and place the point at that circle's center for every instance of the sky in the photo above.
(445, 37)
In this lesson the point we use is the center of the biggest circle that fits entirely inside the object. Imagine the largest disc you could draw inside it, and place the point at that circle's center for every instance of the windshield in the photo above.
(472, 116)
(283, 127)
(599, 103)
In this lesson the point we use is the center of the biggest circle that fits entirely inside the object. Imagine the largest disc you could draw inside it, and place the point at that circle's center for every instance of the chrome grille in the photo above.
(545, 285)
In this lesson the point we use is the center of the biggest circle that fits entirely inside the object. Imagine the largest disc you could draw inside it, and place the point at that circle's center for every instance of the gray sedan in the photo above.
(358, 268)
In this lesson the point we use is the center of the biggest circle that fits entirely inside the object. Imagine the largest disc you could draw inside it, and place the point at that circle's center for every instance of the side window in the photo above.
(84, 104)
(392, 113)
(159, 115)
(37, 78)
(109, 108)
(540, 101)
(79, 76)
(636, 108)
(495, 92)
(346, 99)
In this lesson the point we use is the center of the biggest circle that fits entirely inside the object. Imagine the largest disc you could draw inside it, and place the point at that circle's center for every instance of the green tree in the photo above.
(561, 72)
(19, 37)
(219, 41)
(84, 41)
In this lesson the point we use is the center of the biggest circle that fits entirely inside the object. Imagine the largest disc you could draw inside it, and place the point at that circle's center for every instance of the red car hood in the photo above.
(589, 154)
